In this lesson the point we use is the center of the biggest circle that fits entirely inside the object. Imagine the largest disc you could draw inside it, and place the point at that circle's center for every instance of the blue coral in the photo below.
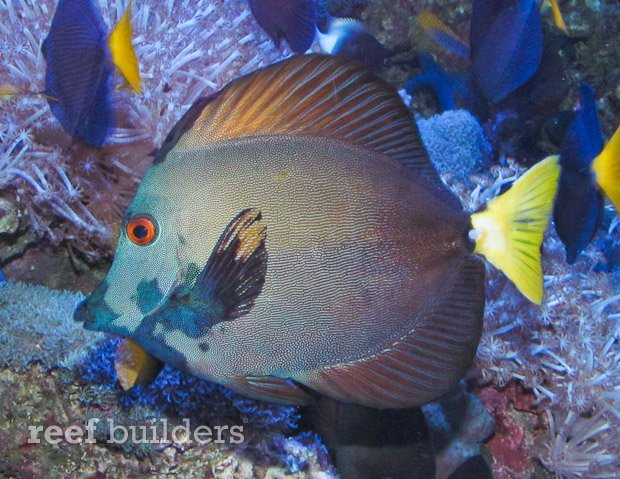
(181, 394)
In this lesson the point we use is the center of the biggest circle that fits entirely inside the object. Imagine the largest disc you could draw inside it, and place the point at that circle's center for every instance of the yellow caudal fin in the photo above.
(557, 16)
(606, 167)
(509, 232)
(123, 53)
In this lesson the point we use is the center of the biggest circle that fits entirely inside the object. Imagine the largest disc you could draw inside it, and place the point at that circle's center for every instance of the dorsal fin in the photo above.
(315, 95)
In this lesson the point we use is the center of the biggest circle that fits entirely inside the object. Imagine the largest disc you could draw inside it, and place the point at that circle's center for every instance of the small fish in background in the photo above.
(80, 63)
(442, 35)
(506, 40)
(589, 171)
(352, 39)
(292, 20)
(453, 90)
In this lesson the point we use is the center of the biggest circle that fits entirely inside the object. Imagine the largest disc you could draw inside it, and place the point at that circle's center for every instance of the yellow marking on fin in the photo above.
(606, 167)
(123, 53)
(509, 232)
(9, 91)
(133, 365)
(250, 239)
(431, 23)
(557, 16)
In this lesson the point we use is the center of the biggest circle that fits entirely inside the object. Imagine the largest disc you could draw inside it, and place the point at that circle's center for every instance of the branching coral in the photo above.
(582, 447)
(36, 326)
(186, 49)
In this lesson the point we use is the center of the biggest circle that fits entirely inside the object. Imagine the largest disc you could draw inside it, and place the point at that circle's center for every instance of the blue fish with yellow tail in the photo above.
(292, 238)
(80, 61)
(589, 172)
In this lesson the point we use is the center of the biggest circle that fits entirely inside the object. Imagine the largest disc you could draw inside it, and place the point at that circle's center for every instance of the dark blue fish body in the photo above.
(79, 70)
(453, 90)
(579, 204)
(352, 39)
(506, 45)
(293, 20)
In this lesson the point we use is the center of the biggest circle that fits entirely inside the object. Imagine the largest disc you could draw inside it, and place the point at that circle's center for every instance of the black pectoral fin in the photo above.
(234, 276)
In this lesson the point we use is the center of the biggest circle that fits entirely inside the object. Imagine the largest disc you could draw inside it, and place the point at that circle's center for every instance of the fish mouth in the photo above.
(95, 313)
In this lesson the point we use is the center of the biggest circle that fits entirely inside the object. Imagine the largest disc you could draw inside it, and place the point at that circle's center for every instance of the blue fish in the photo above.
(453, 90)
(506, 43)
(80, 64)
(293, 20)
(579, 204)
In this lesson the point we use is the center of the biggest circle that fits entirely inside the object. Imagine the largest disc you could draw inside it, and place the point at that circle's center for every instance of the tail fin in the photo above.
(557, 16)
(606, 167)
(123, 53)
(510, 230)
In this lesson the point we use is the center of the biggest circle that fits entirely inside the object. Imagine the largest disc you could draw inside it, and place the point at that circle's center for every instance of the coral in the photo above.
(516, 417)
(186, 49)
(579, 445)
(455, 143)
(36, 325)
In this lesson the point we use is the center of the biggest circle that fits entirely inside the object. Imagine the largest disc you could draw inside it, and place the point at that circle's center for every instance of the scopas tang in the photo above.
(292, 235)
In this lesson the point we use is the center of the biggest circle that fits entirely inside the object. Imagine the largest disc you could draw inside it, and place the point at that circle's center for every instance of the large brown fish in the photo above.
(292, 235)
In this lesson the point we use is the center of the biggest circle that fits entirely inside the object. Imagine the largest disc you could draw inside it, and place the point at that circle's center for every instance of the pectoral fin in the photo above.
(235, 273)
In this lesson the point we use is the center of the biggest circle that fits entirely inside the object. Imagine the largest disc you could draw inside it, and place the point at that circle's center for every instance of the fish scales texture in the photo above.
(354, 247)
(369, 271)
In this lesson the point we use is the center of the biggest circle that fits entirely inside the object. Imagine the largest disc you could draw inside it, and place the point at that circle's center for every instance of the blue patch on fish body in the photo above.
(79, 70)
(148, 295)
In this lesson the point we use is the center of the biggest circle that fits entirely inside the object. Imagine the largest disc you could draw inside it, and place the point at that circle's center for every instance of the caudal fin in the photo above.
(558, 19)
(509, 232)
(606, 167)
(123, 53)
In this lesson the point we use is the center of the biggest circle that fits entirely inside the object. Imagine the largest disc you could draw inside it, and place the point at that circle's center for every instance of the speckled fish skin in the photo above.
(362, 250)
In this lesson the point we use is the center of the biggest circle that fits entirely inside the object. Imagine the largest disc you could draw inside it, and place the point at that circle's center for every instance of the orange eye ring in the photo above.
(141, 230)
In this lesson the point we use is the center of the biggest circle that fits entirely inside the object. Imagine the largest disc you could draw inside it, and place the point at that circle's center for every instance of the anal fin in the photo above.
(272, 389)
(422, 365)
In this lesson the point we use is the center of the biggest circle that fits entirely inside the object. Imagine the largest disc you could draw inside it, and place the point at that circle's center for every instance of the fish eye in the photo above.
(141, 230)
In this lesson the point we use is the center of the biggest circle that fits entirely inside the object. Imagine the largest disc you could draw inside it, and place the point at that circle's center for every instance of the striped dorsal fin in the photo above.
(311, 95)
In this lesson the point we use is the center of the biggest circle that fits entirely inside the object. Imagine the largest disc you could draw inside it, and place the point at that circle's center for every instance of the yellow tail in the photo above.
(509, 232)
(123, 53)
(606, 167)
(557, 16)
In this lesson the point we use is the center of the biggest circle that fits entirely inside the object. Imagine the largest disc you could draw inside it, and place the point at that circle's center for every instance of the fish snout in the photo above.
(95, 313)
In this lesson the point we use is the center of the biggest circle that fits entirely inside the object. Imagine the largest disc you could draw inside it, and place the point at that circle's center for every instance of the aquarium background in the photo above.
(543, 399)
